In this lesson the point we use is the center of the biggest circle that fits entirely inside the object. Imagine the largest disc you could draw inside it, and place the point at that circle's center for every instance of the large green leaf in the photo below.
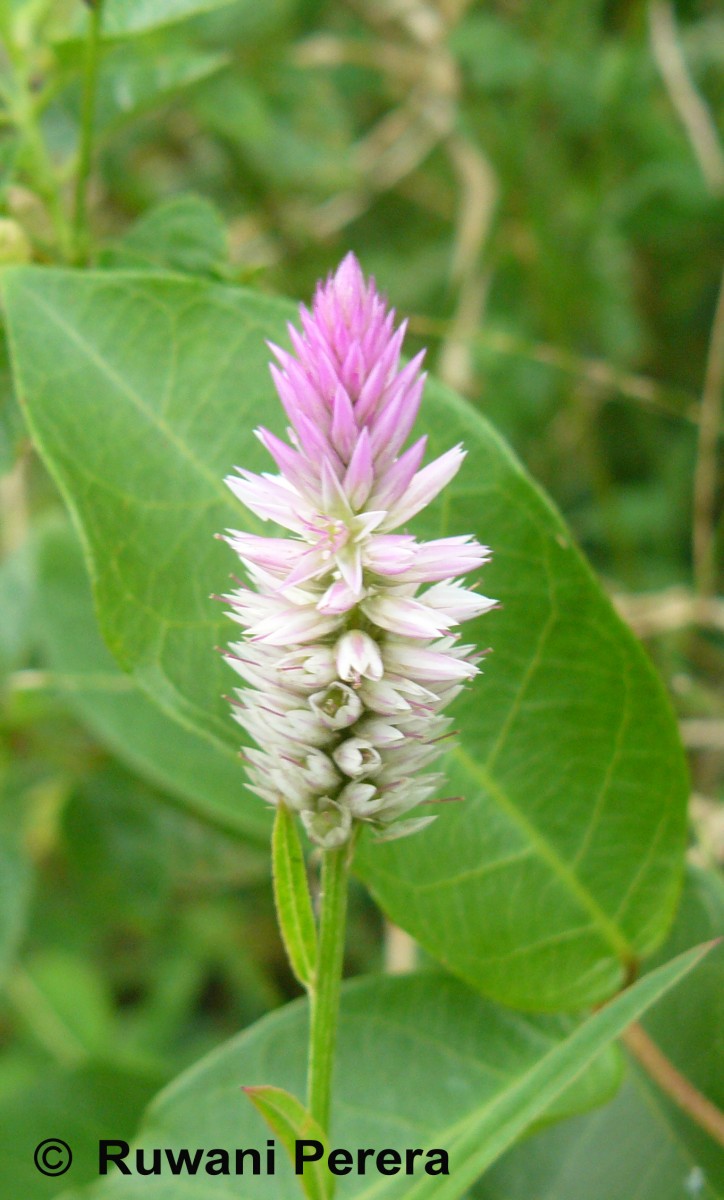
(423, 1062)
(205, 778)
(562, 867)
(660, 1153)
(577, 1161)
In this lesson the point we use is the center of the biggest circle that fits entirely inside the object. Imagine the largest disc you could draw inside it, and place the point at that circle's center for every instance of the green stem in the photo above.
(324, 997)
(87, 130)
(43, 175)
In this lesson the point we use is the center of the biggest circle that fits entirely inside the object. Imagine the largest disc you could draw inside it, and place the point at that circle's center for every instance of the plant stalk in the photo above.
(87, 132)
(324, 996)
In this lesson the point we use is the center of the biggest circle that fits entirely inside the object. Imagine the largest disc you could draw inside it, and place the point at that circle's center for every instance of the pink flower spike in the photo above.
(346, 653)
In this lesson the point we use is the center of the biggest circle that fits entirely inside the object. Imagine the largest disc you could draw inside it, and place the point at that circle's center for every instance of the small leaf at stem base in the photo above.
(289, 1120)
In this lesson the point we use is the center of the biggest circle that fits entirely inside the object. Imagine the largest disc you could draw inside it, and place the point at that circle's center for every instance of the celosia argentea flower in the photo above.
(348, 663)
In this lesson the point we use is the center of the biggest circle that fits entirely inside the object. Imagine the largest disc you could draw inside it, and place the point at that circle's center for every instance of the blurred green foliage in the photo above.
(539, 196)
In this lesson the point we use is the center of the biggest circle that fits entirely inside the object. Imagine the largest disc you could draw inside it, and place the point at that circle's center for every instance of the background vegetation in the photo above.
(539, 186)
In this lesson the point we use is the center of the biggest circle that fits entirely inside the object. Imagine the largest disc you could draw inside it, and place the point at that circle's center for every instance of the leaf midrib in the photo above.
(105, 368)
(606, 927)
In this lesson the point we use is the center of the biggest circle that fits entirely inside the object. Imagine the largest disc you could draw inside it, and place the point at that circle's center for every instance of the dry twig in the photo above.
(690, 108)
(674, 608)
(680, 1089)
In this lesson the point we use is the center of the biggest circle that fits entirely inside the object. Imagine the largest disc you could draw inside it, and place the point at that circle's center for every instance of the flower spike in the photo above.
(349, 653)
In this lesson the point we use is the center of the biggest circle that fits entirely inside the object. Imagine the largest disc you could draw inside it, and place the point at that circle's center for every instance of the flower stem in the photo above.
(324, 996)
(87, 131)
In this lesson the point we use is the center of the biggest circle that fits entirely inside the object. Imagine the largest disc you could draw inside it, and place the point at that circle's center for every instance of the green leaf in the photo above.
(478, 1142)
(204, 777)
(288, 1118)
(422, 1063)
(562, 867)
(660, 1153)
(291, 893)
(493, 53)
(80, 1106)
(127, 855)
(415, 1055)
(183, 234)
(134, 79)
(630, 1148)
(298, 141)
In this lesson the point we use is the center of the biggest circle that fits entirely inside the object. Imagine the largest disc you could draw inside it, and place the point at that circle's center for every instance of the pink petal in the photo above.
(403, 616)
(390, 553)
(444, 558)
(294, 625)
(338, 599)
(396, 478)
(429, 666)
(360, 473)
(270, 499)
(393, 428)
(425, 486)
(298, 397)
(315, 445)
(344, 431)
(291, 464)
(349, 562)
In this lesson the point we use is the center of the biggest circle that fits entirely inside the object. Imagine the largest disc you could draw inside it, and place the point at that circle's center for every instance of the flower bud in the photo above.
(319, 771)
(313, 665)
(357, 758)
(330, 825)
(337, 706)
(361, 799)
(358, 657)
